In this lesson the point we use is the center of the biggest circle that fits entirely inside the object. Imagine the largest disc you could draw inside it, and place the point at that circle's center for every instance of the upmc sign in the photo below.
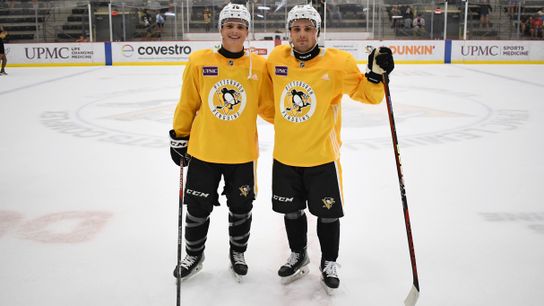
(495, 51)
(480, 50)
(32, 53)
(52, 54)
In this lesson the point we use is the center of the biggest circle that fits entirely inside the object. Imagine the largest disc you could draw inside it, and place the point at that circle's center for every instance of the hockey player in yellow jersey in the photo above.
(215, 134)
(308, 84)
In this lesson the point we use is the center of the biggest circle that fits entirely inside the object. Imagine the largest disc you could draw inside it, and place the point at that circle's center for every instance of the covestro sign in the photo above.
(155, 52)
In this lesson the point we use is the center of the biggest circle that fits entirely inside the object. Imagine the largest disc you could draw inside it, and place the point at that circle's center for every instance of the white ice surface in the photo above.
(88, 194)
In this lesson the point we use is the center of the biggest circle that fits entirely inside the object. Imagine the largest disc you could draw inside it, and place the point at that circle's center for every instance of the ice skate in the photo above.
(238, 265)
(189, 266)
(3, 72)
(295, 268)
(329, 276)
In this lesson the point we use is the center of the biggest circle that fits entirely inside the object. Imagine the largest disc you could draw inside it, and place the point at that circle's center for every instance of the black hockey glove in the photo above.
(380, 62)
(178, 148)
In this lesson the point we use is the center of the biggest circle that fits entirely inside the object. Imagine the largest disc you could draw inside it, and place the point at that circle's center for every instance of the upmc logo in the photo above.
(47, 53)
(480, 50)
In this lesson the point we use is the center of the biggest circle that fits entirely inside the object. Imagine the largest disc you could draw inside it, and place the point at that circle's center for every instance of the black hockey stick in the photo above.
(180, 230)
(413, 295)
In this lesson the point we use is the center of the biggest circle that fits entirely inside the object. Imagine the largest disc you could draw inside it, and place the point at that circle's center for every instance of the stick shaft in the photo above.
(401, 182)
(180, 232)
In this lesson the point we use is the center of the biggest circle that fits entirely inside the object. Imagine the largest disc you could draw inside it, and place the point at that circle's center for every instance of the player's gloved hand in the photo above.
(178, 148)
(380, 61)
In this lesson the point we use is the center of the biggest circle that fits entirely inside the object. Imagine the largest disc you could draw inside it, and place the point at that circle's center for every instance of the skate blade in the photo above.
(191, 275)
(330, 291)
(239, 278)
(298, 274)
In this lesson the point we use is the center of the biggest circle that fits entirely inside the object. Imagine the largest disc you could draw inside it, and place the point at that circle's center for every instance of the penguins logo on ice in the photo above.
(297, 102)
(227, 100)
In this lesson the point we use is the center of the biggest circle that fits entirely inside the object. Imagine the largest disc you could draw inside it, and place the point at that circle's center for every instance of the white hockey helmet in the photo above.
(234, 11)
(304, 11)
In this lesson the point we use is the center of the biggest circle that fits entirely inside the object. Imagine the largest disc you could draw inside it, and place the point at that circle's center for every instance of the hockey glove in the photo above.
(178, 148)
(380, 62)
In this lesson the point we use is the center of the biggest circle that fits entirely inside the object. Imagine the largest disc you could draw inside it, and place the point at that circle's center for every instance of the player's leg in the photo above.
(325, 201)
(200, 197)
(240, 190)
(289, 198)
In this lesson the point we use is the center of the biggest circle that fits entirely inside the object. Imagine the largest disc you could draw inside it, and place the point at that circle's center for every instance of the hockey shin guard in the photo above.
(196, 233)
(296, 226)
(239, 228)
(328, 231)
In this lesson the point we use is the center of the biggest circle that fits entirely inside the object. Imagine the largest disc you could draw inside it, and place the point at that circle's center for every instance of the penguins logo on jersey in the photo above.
(244, 190)
(328, 202)
(227, 100)
(297, 102)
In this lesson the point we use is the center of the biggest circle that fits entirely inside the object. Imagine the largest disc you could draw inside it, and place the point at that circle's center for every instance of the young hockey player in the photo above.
(215, 134)
(3, 58)
(308, 83)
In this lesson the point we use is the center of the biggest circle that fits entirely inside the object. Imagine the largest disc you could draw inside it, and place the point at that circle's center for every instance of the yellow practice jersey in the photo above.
(307, 98)
(219, 104)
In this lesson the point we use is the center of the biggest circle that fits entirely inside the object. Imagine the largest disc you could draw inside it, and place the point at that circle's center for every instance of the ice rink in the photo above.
(88, 194)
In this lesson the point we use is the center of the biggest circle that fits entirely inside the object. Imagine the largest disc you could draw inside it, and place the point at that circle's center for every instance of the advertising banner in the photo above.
(505, 52)
(169, 53)
(55, 54)
(408, 52)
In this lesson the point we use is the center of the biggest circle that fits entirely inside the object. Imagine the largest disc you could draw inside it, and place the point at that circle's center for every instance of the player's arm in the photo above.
(188, 105)
(266, 98)
(189, 101)
(367, 88)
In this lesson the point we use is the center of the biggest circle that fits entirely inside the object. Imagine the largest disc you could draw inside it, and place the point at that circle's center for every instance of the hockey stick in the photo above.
(413, 295)
(180, 230)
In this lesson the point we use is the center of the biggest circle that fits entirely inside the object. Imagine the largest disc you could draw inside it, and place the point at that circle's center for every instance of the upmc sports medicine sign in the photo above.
(496, 52)
(56, 54)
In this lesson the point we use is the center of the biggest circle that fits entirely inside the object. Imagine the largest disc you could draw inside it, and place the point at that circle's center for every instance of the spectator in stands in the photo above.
(513, 6)
(526, 27)
(82, 38)
(394, 15)
(160, 20)
(207, 16)
(408, 15)
(146, 19)
(418, 25)
(3, 58)
(536, 27)
(484, 10)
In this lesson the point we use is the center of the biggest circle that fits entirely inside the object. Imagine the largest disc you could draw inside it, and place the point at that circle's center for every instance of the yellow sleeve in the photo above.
(358, 87)
(189, 101)
(266, 98)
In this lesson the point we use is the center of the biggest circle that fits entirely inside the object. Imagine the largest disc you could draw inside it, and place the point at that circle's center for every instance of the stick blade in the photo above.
(412, 297)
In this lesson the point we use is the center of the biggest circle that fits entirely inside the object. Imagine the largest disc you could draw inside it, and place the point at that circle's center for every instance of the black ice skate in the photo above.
(3, 72)
(238, 265)
(189, 266)
(329, 276)
(295, 268)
